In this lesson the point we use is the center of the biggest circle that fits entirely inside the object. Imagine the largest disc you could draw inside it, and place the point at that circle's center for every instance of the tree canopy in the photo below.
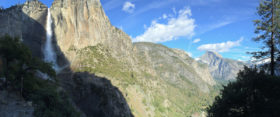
(268, 30)
(20, 69)
(18, 62)
(253, 94)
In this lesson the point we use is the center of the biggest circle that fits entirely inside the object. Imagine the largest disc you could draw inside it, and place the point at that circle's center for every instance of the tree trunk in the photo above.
(272, 63)
(272, 51)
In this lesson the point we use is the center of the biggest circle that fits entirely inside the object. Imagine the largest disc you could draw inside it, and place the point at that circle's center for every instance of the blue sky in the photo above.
(195, 26)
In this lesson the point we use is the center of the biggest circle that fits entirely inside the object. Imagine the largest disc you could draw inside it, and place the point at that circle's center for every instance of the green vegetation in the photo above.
(254, 94)
(97, 59)
(268, 28)
(49, 102)
(161, 96)
(21, 72)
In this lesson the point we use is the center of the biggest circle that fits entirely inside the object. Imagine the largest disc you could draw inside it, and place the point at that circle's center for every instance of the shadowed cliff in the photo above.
(26, 22)
(149, 75)
(92, 95)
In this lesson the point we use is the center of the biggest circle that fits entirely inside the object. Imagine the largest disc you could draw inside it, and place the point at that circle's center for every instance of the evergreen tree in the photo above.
(268, 29)
(19, 68)
(253, 94)
(18, 62)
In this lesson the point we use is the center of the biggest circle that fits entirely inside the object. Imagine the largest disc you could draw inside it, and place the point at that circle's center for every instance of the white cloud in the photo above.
(164, 16)
(221, 24)
(174, 10)
(240, 60)
(180, 26)
(196, 40)
(220, 47)
(128, 7)
(145, 26)
(216, 26)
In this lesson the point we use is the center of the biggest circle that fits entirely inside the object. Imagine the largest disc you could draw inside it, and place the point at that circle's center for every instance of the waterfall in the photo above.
(49, 53)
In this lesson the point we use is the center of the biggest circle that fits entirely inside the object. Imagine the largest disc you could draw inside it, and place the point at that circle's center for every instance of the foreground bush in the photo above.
(20, 69)
(253, 94)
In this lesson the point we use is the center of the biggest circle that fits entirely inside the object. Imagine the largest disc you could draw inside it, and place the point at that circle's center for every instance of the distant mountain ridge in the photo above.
(145, 79)
(221, 69)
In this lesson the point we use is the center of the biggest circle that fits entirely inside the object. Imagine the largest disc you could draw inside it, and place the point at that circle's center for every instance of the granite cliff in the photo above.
(81, 23)
(221, 69)
(172, 64)
(103, 71)
(27, 22)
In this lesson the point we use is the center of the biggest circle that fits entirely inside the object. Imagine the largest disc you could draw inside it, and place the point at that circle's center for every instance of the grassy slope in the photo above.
(147, 94)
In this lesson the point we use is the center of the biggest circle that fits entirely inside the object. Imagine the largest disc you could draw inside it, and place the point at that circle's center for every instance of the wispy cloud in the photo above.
(143, 9)
(220, 47)
(164, 16)
(154, 5)
(216, 26)
(203, 2)
(112, 4)
(179, 26)
(196, 40)
(128, 7)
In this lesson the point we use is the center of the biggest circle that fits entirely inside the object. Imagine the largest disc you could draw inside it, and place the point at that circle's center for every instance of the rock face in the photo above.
(92, 95)
(11, 105)
(82, 23)
(151, 79)
(27, 22)
(221, 69)
(201, 70)
(90, 43)
(174, 65)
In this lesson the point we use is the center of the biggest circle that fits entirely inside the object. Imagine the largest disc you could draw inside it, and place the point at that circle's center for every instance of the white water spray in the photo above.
(49, 53)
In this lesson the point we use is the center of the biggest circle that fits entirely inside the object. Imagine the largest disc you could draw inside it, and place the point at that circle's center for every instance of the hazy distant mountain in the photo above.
(222, 69)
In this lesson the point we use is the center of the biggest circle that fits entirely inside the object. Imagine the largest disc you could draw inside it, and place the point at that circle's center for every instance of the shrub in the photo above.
(20, 67)
(253, 94)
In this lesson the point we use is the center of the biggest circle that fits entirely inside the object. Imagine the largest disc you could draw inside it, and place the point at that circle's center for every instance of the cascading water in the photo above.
(49, 53)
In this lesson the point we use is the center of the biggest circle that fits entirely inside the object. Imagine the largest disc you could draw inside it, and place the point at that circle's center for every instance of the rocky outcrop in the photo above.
(82, 23)
(221, 69)
(26, 21)
(174, 66)
(201, 69)
(153, 79)
(94, 96)
(12, 105)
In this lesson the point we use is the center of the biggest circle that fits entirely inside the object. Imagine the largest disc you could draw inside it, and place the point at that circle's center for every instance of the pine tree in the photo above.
(268, 29)
(18, 62)
(253, 94)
